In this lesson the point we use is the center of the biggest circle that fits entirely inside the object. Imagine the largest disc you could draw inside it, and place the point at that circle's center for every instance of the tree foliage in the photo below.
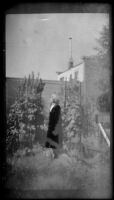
(104, 42)
(104, 53)
(25, 116)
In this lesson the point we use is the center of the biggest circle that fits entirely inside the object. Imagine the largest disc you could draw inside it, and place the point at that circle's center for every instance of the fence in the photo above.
(104, 134)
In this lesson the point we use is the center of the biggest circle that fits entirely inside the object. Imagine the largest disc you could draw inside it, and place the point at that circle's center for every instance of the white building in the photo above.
(74, 72)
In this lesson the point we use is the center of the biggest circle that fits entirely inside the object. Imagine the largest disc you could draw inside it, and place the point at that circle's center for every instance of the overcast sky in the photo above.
(39, 42)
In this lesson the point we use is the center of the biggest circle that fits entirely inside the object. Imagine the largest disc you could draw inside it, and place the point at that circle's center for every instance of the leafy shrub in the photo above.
(71, 110)
(103, 102)
(25, 116)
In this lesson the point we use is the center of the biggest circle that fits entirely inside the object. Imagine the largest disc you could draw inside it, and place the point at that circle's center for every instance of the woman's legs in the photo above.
(56, 152)
(52, 142)
(47, 145)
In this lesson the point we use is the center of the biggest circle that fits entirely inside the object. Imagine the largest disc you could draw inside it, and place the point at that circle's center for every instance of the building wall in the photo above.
(11, 90)
(94, 72)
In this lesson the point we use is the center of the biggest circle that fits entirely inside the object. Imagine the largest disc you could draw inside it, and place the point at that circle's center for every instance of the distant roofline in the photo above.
(44, 80)
(18, 78)
(70, 68)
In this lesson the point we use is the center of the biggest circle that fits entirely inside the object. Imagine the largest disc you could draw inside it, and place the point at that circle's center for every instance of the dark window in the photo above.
(70, 77)
(62, 79)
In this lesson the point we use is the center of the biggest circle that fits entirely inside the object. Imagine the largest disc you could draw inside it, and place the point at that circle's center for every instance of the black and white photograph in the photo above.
(58, 104)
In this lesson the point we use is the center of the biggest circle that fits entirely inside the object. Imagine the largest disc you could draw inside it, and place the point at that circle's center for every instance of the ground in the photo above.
(71, 175)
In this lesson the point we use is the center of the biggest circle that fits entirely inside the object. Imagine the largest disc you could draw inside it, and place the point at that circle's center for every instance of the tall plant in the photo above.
(25, 116)
(71, 110)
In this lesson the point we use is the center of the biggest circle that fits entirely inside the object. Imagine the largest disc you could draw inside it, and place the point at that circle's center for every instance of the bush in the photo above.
(25, 116)
(103, 102)
(71, 110)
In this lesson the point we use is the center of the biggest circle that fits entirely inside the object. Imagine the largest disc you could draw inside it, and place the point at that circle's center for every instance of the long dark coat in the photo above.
(54, 133)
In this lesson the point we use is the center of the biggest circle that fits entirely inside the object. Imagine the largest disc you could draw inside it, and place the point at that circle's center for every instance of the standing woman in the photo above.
(54, 133)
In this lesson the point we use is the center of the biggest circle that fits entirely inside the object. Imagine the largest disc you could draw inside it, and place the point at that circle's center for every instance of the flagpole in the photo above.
(70, 38)
(80, 115)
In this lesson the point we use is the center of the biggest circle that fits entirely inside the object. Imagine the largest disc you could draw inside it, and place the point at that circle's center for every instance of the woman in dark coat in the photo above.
(54, 133)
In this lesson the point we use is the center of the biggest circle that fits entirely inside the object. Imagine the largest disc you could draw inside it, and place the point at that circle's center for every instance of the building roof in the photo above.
(70, 68)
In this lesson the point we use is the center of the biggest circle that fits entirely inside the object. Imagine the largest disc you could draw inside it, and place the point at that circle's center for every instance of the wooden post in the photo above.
(104, 134)
(65, 96)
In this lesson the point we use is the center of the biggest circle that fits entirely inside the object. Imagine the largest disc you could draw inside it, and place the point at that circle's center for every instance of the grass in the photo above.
(90, 177)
